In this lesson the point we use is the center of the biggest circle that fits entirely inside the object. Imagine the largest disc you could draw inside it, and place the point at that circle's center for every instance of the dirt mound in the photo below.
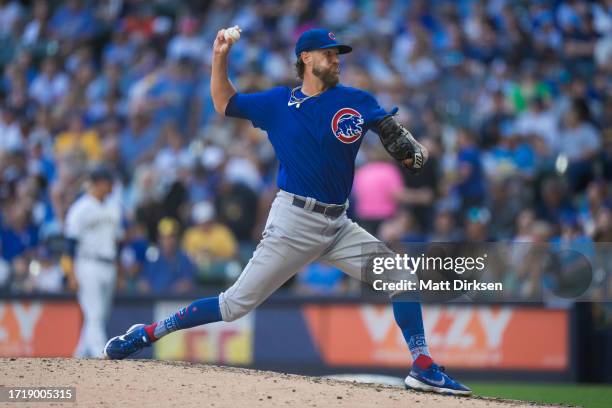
(137, 383)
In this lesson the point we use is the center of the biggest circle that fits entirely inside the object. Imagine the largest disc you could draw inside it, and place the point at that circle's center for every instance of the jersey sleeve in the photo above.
(257, 107)
(74, 222)
(372, 111)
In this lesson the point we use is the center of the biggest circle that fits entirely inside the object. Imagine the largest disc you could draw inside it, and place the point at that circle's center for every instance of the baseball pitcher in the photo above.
(316, 130)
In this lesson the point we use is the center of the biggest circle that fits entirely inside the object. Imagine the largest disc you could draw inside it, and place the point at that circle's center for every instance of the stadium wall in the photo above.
(312, 335)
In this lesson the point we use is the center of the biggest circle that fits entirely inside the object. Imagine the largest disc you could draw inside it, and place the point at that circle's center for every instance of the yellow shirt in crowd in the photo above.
(88, 142)
(217, 240)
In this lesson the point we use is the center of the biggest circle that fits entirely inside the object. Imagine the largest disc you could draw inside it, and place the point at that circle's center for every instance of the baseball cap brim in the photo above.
(101, 173)
(342, 49)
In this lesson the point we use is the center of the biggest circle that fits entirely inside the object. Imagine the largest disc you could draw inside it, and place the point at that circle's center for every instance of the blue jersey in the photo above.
(316, 142)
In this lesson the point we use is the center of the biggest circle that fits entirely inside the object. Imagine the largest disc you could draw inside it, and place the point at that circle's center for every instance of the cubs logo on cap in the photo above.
(347, 125)
(318, 39)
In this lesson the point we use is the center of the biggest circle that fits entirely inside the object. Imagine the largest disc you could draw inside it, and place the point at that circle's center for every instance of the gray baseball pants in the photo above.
(294, 237)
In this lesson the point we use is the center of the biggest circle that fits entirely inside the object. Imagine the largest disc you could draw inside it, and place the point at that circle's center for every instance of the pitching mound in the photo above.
(137, 383)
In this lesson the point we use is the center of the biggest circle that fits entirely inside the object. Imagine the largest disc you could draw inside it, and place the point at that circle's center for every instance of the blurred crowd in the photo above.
(512, 98)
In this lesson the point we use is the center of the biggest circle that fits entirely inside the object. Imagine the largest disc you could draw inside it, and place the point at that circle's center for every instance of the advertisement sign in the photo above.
(462, 337)
(221, 343)
(465, 337)
(39, 329)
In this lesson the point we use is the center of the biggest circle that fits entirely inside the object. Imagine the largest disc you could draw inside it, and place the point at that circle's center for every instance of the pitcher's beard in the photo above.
(329, 77)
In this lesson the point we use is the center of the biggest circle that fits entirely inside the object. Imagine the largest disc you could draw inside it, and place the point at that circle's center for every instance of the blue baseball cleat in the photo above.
(134, 340)
(434, 379)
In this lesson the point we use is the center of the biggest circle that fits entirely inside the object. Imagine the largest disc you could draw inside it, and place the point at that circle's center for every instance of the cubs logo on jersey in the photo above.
(347, 125)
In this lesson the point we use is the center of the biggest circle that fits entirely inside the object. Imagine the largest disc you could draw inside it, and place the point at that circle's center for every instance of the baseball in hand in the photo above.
(233, 33)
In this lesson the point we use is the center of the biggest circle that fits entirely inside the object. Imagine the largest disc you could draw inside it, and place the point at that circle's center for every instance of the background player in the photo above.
(93, 229)
(316, 131)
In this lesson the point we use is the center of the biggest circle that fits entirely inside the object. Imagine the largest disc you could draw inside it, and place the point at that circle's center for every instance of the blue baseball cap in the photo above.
(318, 39)
(101, 172)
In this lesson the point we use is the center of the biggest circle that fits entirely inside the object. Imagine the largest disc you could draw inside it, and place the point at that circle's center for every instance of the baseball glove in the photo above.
(401, 145)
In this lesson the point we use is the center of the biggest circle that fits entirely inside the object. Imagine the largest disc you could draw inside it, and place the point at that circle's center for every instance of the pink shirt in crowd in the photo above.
(374, 187)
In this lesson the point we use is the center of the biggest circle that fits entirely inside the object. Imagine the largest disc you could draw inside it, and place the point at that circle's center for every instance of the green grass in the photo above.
(588, 396)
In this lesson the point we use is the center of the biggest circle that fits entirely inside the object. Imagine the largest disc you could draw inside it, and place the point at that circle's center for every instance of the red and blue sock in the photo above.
(409, 318)
(200, 312)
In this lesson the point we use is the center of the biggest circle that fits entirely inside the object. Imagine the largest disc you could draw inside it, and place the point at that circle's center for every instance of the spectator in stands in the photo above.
(170, 92)
(187, 43)
(167, 268)
(10, 14)
(73, 20)
(120, 50)
(445, 228)
(553, 203)
(496, 121)
(471, 180)
(596, 200)
(37, 29)
(580, 39)
(77, 137)
(67, 185)
(521, 243)
(419, 69)
(538, 121)
(320, 279)
(109, 82)
(140, 23)
(51, 85)
(603, 226)
(529, 264)
(242, 168)
(524, 226)
(40, 162)
(575, 257)
(173, 156)
(145, 200)
(505, 203)
(401, 229)
(204, 177)
(11, 137)
(209, 244)
(376, 189)
(46, 275)
(140, 139)
(19, 234)
(132, 257)
(580, 142)
(234, 202)
(477, 226)
(529, 87)
(20, 275)
(419, 192)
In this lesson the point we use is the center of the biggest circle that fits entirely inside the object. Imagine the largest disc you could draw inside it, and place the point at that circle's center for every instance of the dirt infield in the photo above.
(141, 383)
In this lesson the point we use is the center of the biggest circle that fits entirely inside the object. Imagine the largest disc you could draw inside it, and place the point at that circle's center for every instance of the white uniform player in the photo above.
(93, 226)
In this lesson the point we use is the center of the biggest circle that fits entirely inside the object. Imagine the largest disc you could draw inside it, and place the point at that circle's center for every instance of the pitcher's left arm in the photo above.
(400, 144)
